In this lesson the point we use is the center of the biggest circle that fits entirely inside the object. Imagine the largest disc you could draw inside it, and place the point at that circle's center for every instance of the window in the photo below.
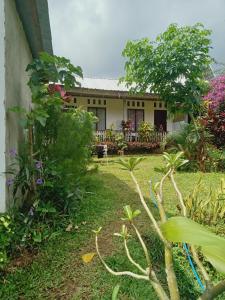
(100, 113)
(136, 116)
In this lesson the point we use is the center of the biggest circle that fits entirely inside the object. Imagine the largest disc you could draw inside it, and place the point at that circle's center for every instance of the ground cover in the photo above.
(57, 271)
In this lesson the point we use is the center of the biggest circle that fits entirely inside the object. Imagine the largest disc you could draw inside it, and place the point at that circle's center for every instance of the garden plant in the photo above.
(45, 174)
(179, 229)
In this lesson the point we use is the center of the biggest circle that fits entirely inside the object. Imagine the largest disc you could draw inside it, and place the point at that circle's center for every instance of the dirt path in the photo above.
(76, 286)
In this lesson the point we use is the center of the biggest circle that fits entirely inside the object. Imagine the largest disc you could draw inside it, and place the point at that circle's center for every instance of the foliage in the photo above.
(120, 142)
(131, 147)
(6, 234)
(141, 148)
(46, 173)
(214, 122)
(144, 131)
(216, 94)
(194, 144)
(47, 68)
(173, 66)
(177, 229)
(102, 205)
(206, 209)
(181, 229)
(126, 126)
(214, 116)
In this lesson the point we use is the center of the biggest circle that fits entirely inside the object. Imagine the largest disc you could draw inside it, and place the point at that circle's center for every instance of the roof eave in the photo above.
(99, 93)
(35, 19)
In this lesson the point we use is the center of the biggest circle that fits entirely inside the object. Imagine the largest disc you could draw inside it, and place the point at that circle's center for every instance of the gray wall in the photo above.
(17, 56)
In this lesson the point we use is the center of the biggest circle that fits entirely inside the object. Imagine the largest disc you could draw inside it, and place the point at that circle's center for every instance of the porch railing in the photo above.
(107, 135)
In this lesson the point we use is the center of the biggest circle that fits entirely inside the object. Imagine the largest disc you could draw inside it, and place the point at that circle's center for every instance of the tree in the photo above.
(173, 66)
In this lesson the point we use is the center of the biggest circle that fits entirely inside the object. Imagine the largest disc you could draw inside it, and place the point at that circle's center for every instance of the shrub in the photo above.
(131, 147)
(144, 131)
(172, 232)
(141, 147)
(6, 234)
(214, 119)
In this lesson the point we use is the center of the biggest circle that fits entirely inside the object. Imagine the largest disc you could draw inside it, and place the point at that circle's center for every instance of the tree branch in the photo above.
(131, 259)
(127, 273)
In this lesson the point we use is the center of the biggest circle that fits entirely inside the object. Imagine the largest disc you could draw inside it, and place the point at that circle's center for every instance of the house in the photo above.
(111, 102)
(24, 32)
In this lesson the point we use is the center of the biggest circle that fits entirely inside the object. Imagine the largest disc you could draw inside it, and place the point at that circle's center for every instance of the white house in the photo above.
(24, 32)
(111, 102)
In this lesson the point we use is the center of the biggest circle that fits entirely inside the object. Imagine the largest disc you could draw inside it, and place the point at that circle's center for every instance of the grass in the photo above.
(58, 272)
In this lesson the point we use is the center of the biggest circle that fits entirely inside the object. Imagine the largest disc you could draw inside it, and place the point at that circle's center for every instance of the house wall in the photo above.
(16, 56)
(2, 106)
(116, 110)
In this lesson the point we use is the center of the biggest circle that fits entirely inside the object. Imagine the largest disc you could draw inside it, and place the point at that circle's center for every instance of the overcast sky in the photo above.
(93, 33)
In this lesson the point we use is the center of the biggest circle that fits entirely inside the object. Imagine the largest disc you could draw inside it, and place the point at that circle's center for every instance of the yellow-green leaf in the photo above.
(88, 257)
(180, 229)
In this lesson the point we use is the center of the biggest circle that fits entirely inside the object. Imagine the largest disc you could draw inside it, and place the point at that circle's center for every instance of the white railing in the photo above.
(107, 135)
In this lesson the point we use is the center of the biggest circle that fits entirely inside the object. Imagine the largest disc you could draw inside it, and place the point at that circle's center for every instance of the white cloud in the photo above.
(93, 33)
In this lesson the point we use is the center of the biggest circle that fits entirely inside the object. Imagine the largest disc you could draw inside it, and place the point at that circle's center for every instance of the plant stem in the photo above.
(149, 213)
(158, 287)
(143, 246)
(127, 273)
(179, 195)
(131, 259)
(171, 276)
(193, 250)
(201, 267)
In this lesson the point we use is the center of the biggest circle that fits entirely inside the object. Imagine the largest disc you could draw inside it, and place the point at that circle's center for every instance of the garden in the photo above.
(145, 224)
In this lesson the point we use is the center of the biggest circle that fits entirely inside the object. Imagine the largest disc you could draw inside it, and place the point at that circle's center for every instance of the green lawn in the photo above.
(58, 272)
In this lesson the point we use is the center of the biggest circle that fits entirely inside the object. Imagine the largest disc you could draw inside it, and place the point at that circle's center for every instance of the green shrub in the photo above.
(6, 235)
(144, 131)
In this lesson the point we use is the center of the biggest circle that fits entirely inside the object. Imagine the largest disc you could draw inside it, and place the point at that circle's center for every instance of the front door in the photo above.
(136, 116)
(160, 120)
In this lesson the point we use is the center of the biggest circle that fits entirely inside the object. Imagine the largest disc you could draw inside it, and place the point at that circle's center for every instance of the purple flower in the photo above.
(39, 181)
(39, 164)
(12, 152)
(9, 181)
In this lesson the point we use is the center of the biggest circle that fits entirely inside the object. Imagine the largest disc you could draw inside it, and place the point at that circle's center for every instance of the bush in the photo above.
(132, 147)
(144, 131)
(141, 147)
(6, 234)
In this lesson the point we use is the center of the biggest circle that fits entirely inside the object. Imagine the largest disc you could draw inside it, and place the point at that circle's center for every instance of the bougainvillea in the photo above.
(214, 120)
(216, 95)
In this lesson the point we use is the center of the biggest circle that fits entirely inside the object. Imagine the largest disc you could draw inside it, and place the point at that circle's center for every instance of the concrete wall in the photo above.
(16, 55)
(116, 109)
(2, 106)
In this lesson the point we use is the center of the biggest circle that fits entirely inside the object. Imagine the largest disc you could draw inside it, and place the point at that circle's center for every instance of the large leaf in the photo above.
(180, 229)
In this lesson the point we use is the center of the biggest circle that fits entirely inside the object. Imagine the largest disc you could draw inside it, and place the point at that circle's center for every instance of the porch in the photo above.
(109, 135)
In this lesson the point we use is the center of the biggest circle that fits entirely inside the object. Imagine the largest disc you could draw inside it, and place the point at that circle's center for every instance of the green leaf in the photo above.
(131, 163)
(181, 229)
(115, 292)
